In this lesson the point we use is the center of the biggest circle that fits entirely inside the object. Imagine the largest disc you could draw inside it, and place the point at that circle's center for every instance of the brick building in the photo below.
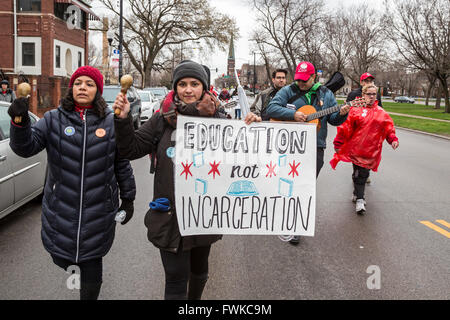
(44, 42)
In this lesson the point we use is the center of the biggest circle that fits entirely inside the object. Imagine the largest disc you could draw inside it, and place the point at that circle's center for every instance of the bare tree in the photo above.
(285, 25)
(365, 34)
(420, 31)
(338, 45)
(155, 24)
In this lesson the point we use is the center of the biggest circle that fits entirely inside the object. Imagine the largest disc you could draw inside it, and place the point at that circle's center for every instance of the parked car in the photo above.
(21, 179)
(159, 92)
(110, 93)
(404, 99)
(149, 104)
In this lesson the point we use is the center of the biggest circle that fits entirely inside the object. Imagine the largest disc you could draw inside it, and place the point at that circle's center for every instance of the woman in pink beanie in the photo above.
(85, 177)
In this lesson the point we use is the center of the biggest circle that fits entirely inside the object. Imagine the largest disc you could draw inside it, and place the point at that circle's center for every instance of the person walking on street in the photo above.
(304, 91)
(224, 95)
(6, 93)
(359, 140)
(365, 80)
(185, 259)
(85, 176)
(263, 99)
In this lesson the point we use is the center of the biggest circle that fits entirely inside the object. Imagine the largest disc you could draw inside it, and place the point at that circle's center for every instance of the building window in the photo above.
(28, 54)
(58, 56)
(79, 59)
(29, 5)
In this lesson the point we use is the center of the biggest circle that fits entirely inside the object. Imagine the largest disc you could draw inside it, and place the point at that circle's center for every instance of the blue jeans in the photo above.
(237, 113)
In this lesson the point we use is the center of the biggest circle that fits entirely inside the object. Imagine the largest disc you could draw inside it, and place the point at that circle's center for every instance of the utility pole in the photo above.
(254, 72)
(120, 39)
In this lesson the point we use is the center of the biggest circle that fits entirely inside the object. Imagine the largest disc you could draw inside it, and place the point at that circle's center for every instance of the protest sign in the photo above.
(233, 178)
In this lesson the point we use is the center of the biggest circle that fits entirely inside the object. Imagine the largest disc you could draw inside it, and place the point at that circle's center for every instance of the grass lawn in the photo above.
(414, 109)
(431, 126)
(436, 127)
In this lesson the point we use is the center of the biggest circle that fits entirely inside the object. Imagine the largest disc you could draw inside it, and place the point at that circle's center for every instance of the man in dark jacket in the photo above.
(305, 92)
(6, 93)
(263, 99)
(365, 80)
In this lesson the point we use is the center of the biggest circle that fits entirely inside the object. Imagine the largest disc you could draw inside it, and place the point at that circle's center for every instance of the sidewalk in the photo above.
(417, 117)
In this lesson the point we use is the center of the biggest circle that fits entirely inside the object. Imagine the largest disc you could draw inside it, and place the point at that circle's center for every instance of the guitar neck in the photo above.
(322, 113)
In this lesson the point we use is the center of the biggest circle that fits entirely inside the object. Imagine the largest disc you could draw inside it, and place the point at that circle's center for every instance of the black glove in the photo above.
(19, 108)
(128, 207)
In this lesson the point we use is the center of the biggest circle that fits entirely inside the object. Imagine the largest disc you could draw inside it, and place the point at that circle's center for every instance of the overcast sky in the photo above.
(243, 13)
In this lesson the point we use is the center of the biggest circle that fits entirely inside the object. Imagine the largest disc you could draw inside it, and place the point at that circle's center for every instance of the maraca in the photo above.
(125, 82)
(23, 91)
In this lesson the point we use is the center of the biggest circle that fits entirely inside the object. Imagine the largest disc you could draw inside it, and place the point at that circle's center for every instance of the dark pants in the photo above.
(359, 176)
(319, 162)
(90, 276)
(178, 268)
(237, 113)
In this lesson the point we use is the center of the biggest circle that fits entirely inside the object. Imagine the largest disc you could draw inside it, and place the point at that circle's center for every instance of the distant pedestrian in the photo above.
(365, 80)
(6, 93)
(359, 140)
(224, 95)
(85, 176)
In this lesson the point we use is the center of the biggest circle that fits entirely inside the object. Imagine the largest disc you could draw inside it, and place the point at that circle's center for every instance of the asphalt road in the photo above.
(413, 260)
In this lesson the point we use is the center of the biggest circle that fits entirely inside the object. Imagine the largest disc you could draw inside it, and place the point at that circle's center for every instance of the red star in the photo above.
(186, 168)
(214, 169)
(294, 169)
(271, 169)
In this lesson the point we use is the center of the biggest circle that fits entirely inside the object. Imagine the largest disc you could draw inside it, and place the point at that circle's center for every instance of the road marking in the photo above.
(436, 228)
(444, 223)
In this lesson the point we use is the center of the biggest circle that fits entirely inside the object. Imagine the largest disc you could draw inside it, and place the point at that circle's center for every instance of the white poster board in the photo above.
(233, 178)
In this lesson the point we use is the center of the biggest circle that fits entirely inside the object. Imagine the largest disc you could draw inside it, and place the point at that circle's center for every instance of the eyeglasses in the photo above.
(370, 94)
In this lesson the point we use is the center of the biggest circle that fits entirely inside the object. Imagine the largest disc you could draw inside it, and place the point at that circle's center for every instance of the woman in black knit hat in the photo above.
(185, 259)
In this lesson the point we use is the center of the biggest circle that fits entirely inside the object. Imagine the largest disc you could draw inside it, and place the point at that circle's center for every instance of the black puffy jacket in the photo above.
(81, 194)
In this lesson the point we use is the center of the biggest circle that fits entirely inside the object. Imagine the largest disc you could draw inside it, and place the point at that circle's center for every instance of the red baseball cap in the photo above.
(366, 75)
(304, 71)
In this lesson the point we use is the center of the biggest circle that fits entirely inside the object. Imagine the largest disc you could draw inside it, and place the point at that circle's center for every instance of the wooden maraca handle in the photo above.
(125, 82)
(23, 90)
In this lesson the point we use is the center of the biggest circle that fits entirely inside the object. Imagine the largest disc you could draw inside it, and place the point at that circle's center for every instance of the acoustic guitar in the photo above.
(313, 116)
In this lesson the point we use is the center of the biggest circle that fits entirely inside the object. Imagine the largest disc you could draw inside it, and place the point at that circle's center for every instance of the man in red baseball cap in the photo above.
(304, 91)
(365, 79)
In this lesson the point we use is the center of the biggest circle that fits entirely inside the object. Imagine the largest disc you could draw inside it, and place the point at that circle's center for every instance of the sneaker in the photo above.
(368, 180)
(295, 240)
(360, 206)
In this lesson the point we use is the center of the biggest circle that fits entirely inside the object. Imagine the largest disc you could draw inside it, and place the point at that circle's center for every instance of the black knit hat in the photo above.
(4, 81)
(189, 69)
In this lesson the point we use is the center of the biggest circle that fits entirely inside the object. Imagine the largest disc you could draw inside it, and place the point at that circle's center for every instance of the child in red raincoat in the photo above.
(359, 140)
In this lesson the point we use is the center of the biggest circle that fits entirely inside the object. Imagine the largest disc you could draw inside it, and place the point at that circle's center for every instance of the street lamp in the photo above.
(110, 37)
(120, 39)
(254, 72)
